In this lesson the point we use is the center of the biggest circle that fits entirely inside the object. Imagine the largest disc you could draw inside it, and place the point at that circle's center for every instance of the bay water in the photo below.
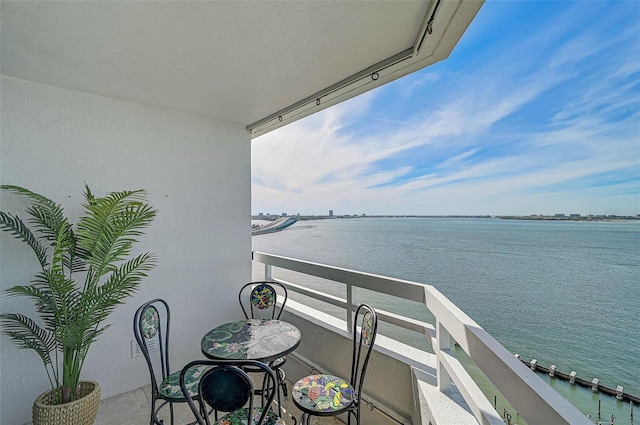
(562, 292)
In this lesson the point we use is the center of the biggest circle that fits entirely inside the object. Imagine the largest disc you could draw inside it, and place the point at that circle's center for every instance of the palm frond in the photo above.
(62, 291)
(63, 249)
(100, 301)
(75, 264)
(47, 215)
(40, 292)
(27, 334)
(16, 227)
(108, 230)
(71, 260)
(32, 291)
(43, 297)
(46, 220)
(90, 337)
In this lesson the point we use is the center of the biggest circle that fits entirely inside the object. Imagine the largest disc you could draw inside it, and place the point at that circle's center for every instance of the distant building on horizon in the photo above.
(330, 213)
(284, 214)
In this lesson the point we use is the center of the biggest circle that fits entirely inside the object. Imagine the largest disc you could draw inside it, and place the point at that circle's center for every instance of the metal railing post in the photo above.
(444, 343)
(349, 307)
(268, 274)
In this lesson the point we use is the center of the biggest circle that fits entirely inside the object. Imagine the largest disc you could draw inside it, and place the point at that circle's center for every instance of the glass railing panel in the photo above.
(497, 400)
(393, 304)
(402, 307)
(325, 286)
(411, 338)
(385, 302)
(533, 397)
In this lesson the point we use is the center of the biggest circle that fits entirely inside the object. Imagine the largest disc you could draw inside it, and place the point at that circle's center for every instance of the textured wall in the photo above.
(197, 173)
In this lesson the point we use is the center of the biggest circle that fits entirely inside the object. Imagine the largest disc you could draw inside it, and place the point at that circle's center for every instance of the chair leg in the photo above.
(304, 419)
(280, 385)
(356, 414)
(277, 389)
(171, 410)
(282, 377)
(154, 419)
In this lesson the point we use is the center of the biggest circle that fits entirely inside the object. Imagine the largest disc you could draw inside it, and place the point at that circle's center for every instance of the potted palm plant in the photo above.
(85, 272)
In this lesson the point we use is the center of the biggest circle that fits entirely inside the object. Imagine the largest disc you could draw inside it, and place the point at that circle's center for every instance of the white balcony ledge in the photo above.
(327, 345)
(401, 383)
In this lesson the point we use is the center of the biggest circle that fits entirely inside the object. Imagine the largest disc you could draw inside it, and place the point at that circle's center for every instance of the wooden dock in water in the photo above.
(574, 379)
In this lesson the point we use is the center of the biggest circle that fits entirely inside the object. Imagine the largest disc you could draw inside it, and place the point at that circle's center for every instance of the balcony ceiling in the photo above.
(236, 61)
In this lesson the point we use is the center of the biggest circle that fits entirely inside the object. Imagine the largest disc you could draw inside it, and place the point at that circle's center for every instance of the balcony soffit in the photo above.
(240, 62)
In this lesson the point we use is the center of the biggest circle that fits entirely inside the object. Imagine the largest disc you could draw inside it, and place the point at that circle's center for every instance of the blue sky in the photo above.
(536, 111)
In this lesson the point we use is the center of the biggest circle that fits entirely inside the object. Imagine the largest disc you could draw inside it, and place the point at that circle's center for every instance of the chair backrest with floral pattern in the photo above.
(365, 330)
(262, 298)
(151, 330)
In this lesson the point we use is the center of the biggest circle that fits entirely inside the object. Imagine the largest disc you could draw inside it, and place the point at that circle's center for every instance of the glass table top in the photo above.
(253, 339)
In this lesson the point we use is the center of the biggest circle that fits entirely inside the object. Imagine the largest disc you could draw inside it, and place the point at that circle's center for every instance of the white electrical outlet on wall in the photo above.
(152, 345)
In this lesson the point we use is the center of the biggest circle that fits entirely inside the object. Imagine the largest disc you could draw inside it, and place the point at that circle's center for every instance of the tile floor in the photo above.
(133, 408)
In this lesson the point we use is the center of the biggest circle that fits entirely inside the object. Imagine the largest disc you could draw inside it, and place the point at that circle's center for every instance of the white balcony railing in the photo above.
(535, 401)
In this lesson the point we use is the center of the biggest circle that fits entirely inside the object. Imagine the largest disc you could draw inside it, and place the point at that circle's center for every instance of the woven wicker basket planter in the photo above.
(80, 412)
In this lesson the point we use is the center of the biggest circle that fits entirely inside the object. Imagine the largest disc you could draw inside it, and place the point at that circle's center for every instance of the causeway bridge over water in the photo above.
(274, 226)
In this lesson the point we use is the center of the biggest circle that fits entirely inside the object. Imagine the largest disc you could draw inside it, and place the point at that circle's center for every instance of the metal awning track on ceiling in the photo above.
(330, 94)
(377, 74)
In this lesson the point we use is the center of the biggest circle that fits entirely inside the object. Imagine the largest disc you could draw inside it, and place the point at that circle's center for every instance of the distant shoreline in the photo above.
(588, 218)
(581, 218)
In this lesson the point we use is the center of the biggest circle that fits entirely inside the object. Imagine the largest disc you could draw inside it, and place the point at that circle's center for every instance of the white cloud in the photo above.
(328, 160)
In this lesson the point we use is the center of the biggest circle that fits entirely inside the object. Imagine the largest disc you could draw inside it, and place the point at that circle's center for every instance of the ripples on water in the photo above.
(565, 293)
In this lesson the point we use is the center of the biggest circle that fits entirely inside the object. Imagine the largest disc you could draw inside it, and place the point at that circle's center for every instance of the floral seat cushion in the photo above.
(322, 394)
(170, 387)
(239, 417)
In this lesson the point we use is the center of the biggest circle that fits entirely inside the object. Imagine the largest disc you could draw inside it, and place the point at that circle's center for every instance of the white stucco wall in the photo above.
(197, 173)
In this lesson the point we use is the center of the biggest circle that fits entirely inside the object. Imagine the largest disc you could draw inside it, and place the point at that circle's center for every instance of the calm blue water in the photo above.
(564, 293)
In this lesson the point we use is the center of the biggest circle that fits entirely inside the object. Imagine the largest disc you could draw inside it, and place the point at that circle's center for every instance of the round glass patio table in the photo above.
(253, 339)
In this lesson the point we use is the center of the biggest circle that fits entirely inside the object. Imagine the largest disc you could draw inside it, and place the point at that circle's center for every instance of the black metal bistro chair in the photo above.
(261, 299)
(226, 387)
(151, 329)
(329, 395)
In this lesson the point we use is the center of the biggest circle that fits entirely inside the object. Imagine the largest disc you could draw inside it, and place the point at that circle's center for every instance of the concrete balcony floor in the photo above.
(133, 408)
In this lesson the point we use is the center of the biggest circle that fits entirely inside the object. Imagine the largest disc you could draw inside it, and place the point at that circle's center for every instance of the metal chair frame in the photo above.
(358, 369)
(163, 348)
(235, 367)
(271, 285)
(277, 364)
